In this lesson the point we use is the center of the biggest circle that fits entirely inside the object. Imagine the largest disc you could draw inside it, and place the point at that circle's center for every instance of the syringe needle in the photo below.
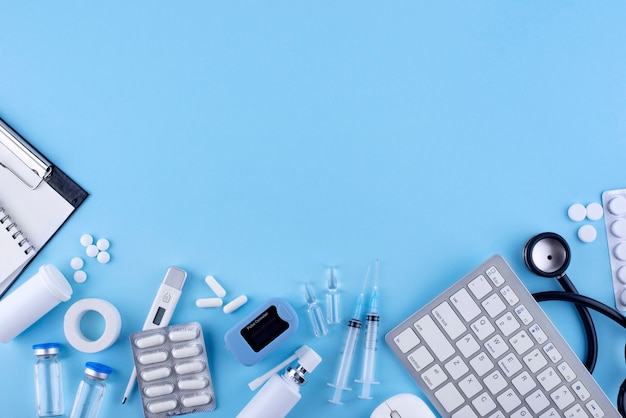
(371, 341)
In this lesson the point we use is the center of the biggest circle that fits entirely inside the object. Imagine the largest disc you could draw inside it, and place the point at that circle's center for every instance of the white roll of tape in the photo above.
(112, 327)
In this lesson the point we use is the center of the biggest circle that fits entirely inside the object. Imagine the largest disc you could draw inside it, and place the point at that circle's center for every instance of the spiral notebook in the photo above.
(36, 198)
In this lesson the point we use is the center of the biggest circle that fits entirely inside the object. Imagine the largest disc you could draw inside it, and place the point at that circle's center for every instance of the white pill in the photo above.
(191, 367)
(183, 335)
(622, 297)
(151, 358)
(103, 257)
(594, 211)
(215, 286)
(620, 251)
(77, 263)
(209, 302)
(150, 341)
(618, 228)
(617, 205)
(621, 274)
(577, 212)
(235, 304)
(158, 390)
(91, 250)
(80, 276)
(103, 244)
(587, 233)
(86, 240)
(196, 400)
(162, 406)
(192, 384)
(154, 374)
(184, 352)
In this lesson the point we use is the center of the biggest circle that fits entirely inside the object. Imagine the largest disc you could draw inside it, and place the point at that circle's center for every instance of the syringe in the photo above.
(354, 327)
(371, 340)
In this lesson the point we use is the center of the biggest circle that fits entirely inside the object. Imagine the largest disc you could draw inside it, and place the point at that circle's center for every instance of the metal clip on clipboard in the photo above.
(22, 150)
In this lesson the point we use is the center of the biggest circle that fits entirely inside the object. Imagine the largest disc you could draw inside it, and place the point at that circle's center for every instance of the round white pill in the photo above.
(622, 298)
(577, 212)
(103, 257)
(86, 240)
(617, 205)
(80, 276)
(91, 250)
(587, 233)
(620, 274)
(618, 228)
(235, 304)
(215, 286)
(77, 263)
(620, 251)
(103, 244)
(594, 211)
(209, 302)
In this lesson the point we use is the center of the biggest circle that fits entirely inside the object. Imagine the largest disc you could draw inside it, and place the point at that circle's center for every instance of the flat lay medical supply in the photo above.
(281, 393)
(615, 223)
(32, 300)
(91, 391)
(173, 370)
(36, 196)
(346, 357)
(314, 312)
(74, 333)
(48, 380)
(235, 304)
(485, 347)
(162, 309)
(403, 405)
(370, 345)
(333, 312)
(262, 331)
(215, 286)
(256, 383)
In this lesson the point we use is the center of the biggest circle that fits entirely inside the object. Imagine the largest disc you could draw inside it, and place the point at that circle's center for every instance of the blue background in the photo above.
(262, 142)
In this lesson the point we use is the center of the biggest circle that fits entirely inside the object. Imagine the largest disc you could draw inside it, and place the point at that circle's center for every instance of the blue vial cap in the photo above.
(98, 370)
(46, 348)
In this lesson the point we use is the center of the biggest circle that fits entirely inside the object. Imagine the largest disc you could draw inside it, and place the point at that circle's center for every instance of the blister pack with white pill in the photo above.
(614, 202)
(173, 370)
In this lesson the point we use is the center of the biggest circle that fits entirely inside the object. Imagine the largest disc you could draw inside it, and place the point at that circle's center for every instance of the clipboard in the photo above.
(36, 199)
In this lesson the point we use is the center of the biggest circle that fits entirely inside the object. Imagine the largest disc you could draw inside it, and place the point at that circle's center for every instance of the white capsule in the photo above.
(150, 341)
(209, 302)
(196, 400)
(103, 257)
(80, 276)
(215, 286)
(162, 406)
(103, 244)
(159, 390)
(183, 335)
(151, 358)
(192, 384)
(77, 263)
(154, 374)
(184, 352)
(86, 240)
(191, 367)
(237, 303)
(91, 250)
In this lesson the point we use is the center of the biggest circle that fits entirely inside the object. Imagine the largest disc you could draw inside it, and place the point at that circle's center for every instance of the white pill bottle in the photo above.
(281, 393)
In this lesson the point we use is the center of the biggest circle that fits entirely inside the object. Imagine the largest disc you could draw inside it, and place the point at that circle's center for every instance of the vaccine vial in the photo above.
(90, 391)
(48, 380)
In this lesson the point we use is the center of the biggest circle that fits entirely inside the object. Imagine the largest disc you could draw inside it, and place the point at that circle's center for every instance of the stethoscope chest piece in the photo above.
(547, 254)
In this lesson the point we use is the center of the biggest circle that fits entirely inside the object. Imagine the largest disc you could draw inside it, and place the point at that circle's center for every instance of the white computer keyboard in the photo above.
(485, 348)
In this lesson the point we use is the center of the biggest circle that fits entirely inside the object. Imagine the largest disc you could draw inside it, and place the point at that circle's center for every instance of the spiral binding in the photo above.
(16, 234)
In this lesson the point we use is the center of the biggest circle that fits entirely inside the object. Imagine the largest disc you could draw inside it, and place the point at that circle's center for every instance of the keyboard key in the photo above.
(484, 404)
(507, 324)
(496, 346)
(436, 340)
(523, 314)
(552, 352)
(495, 382)
(521, 342)
(509, 295)
(550, 413)
(594, 409)
(470, 385)
(523, 383)
(434, 376)
(467, 345)
(562, 397)
(465, 412)
(537, 401)
(465, 304)
(510, 364)
(521, 413)
(493, 305)
(456, 368)
(481, 364)
(535, 360)
(538, 334)
(581, 391)
(482, 328)
(406, 340)
(448, 320)
(549, 378)
(497, 414)
(420, 358)
(576, 411)
(566, 371)
(495, 276)
(508, 400)
(450, 397)
(480, 287)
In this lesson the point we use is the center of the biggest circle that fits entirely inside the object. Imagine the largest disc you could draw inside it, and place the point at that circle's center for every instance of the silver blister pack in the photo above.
(614, 202)
(173, 370)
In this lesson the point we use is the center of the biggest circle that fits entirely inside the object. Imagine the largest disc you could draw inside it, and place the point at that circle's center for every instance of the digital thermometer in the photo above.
(161, 310)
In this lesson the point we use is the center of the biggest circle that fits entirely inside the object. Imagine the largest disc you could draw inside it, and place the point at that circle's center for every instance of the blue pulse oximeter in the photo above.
(262, 331)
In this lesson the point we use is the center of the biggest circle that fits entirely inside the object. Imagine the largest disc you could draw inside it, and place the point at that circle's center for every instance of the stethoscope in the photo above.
(548, 255)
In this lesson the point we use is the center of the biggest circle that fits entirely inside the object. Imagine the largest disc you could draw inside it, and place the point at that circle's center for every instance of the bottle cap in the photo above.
(97, 370)
(46, 349)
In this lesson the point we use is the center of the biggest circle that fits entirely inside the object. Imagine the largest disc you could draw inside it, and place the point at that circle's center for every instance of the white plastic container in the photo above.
(32, 300)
